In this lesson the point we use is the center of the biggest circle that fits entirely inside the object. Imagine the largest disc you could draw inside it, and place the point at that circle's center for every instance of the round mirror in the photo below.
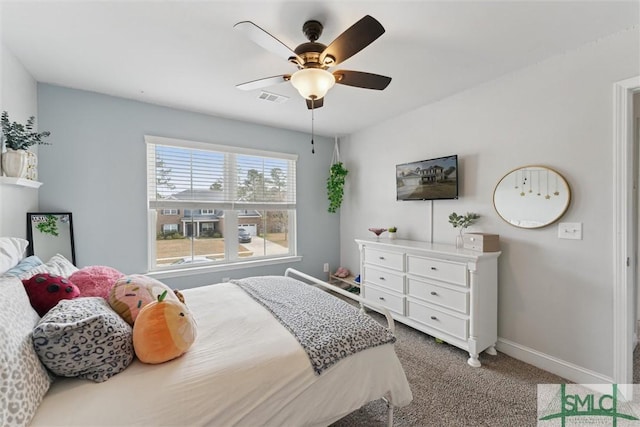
(532, 197)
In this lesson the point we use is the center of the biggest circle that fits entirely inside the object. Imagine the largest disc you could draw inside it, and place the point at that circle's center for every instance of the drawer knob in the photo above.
(382, 278)
(381, 257)
(434, 318)
(434, 293)
(381, 298)
(433, 268)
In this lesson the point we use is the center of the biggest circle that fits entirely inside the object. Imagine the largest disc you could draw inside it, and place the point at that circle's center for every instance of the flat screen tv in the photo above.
(433, 179)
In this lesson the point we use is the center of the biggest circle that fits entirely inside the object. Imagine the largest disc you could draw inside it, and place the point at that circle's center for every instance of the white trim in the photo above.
(191, 271)
(174, 142)
(622, 291)
(566, 370)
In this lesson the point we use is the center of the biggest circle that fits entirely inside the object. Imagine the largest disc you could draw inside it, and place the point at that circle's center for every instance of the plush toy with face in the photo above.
(45, 290)
(164, 330)
(131, 293)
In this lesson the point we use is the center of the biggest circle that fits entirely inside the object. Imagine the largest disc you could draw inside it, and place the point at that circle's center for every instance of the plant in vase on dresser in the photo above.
(462, 222)
(17, 139)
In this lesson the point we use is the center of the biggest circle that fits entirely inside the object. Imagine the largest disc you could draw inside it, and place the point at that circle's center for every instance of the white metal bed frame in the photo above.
(380, 309)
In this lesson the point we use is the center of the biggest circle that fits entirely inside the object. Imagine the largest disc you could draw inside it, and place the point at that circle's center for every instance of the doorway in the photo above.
(625, 222)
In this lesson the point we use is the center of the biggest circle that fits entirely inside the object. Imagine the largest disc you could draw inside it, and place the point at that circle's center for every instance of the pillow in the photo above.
(45, 290)
(95, 280)
(23, 379)
(11, 252)
(131, 293)
(25, 265)
(84, 338)
(164, 330)
(57, 264)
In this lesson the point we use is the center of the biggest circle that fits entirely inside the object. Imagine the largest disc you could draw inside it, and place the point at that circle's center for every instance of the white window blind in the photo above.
(188, 174)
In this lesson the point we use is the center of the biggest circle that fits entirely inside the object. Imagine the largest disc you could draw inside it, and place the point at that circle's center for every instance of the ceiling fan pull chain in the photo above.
(313, 150)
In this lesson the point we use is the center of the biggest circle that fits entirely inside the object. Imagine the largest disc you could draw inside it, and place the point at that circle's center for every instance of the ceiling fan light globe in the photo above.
(312, 83)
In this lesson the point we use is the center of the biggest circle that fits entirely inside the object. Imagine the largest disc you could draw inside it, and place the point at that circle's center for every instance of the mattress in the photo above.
(245, 369)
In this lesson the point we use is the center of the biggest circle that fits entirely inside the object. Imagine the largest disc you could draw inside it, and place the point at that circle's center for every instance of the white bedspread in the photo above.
(244, 369)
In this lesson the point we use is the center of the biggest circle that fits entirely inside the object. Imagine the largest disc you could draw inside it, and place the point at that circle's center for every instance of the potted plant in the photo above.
(17, 139)
(462, 222)
(335, 185)
(392, 232)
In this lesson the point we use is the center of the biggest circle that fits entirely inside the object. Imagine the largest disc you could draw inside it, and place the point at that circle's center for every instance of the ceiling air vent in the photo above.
(272, 97)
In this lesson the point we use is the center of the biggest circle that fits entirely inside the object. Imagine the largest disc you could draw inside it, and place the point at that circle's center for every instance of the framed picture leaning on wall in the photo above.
(50, 233)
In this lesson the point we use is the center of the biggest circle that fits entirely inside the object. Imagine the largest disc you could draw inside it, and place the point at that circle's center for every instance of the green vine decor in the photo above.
(49, 225)
(335, 185)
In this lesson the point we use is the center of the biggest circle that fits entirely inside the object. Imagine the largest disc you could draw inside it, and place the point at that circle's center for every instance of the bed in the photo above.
(246, 368)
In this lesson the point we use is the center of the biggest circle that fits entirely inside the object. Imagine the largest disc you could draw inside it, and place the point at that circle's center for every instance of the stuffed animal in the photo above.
(95, 280)
(131, 293)
(164, 330)
(45, 290)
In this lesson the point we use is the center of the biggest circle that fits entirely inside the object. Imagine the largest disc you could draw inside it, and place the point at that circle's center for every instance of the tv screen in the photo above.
(433, 179)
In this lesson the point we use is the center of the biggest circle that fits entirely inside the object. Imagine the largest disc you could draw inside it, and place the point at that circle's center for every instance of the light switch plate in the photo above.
(570, 230)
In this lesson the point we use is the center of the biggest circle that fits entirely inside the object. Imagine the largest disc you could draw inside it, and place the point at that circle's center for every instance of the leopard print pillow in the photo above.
(84, 338)
(23, 379)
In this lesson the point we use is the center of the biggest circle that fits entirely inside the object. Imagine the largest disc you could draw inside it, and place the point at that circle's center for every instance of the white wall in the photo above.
(555, 296)
(18, 96)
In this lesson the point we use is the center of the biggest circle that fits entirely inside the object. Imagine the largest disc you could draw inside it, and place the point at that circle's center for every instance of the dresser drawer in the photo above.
(446, 271)
(437, 319)
(384, 278)
(385, 259)
(388, 300)
(449, 298)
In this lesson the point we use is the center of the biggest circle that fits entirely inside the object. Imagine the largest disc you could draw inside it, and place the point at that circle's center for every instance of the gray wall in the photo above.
(555, 296)
(96, 169)
(17, 97)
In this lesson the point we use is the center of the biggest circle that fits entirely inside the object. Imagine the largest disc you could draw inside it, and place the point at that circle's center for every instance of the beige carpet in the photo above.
(448, 392)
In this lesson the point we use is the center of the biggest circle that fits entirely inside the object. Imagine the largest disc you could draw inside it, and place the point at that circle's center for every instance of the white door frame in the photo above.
(623, 313)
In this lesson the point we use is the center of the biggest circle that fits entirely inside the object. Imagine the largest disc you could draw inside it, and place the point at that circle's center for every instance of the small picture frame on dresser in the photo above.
(481, 242)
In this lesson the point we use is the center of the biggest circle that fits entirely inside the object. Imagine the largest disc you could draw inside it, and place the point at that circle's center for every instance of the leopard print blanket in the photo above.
(327, 327)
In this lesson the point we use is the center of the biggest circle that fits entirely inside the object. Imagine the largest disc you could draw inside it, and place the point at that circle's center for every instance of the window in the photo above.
(232, 204)
(169, 228)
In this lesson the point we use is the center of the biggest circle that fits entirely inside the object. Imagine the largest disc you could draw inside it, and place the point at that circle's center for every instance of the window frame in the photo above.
(231, 260)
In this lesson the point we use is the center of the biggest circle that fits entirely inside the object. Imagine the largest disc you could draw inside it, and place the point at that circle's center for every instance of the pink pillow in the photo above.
(95, 280)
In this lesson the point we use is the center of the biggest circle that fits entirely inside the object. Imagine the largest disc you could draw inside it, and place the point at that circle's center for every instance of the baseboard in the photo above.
(569, 371)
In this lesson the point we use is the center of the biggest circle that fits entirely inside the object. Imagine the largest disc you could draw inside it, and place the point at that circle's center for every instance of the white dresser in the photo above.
(446, 292)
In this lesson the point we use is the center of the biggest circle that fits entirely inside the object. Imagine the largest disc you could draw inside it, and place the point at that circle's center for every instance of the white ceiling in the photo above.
(186, 54)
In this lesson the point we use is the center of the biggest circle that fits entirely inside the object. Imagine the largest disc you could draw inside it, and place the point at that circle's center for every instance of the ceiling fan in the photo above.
(312, 80)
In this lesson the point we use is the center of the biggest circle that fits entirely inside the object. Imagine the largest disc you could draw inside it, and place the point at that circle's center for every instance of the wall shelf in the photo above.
(20, 182)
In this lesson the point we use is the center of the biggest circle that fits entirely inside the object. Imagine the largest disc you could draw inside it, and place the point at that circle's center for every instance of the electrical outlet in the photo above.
(326, 267)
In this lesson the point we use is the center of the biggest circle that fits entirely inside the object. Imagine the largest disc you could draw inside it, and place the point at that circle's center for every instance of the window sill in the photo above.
(192, 271)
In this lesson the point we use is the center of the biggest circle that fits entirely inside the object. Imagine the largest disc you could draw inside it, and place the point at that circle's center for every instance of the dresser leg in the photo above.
(491, 351)
(473, 360)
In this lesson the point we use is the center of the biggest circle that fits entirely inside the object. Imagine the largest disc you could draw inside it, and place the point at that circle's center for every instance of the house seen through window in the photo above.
(217, 205)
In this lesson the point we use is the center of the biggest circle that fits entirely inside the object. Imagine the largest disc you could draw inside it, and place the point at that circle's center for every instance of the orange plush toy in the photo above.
(163, 330)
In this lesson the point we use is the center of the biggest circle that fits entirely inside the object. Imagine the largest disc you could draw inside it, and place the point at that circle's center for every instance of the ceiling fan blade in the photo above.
(267, 81)
(361, 79)
(352, 40)
(266, 40)
(317, 103)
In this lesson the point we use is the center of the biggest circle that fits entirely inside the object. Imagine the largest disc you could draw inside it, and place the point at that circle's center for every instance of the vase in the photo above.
(15, 163)
(392, 235)
(459, 241)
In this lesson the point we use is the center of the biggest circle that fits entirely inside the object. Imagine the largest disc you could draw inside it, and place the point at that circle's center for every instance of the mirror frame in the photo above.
(66, 247)
(549, 222)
